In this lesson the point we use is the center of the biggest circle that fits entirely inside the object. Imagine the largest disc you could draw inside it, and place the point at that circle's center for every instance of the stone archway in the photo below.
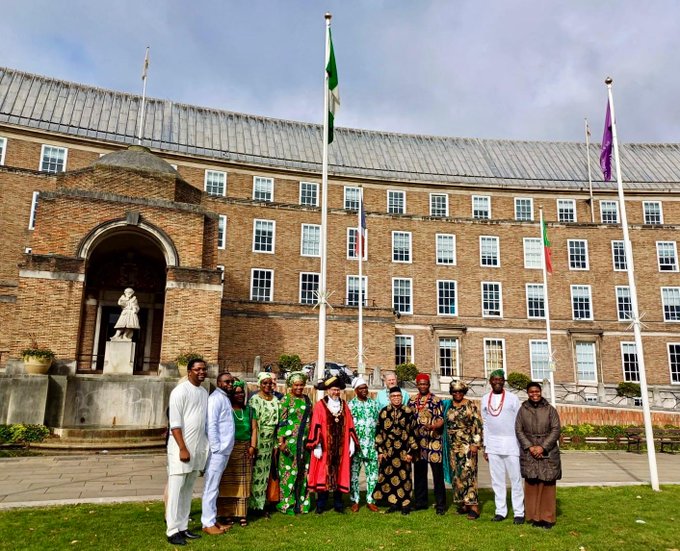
(117, 257)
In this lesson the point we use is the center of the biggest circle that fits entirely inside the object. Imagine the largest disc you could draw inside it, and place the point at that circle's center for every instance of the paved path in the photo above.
(60, 480)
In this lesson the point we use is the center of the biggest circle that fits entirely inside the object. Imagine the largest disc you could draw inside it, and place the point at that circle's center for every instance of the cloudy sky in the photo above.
(509, 69)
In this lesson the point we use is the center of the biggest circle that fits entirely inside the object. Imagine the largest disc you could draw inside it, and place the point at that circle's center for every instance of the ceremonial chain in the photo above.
(495, 412)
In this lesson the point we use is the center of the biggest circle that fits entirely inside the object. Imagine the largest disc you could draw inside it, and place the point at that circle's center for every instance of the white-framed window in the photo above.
(261, 285)
(581, 304)
(629, 361)
(609, 212)
(586, 362)
(481, 207)
(401, 246)
(540, 360)
(215, 182)
(34, 210)
(448, 357)
(352, 252)
(352, 298)
(447, 298)
(524, 208)
(674, 362)
(667, 254)
(263, 188)
(670, 299)
(489, 253)
(624, 306)
(439, 205)
(492, 299)
(396, 201)
(494, 356)
(222, 232)
(403, 349)
(445, 246)
(653, 213)
(264, 234)
(566, 210)
(533, 253)
(401, 295)
(619, 256)
(53, 159)
(535, 301)
(309, 287)
(352, 197)
(309, 194)
(310, 240)
(3, 149)
(578, 254)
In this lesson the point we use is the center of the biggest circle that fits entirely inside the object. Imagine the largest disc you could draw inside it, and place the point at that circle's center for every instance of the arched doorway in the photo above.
(118, 257)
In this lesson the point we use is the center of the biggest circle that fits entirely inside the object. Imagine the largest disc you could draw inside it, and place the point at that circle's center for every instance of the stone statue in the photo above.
(128, 319)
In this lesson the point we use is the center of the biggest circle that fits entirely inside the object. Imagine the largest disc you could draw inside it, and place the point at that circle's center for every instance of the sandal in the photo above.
(243, 522)
(472, 515)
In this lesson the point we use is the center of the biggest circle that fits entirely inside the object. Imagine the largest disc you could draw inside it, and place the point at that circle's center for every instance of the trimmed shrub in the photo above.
(518, 381)
(628, 390)
(23, 434)
(406, 372)
(289, 362)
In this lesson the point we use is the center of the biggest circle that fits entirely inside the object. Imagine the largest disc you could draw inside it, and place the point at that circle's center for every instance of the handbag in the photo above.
(273, 485)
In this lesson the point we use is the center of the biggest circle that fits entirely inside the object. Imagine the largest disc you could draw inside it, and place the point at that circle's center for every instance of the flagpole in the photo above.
(321, 355)
(590, 175)
(551, 363)
(360, 240)
(646, 414)
(141, 111)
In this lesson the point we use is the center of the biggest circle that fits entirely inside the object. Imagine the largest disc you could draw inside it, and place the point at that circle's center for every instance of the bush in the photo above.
(23, 434)
(289, 363)
(518, 381)
(628, 390)
(185, 357)
(406, 372)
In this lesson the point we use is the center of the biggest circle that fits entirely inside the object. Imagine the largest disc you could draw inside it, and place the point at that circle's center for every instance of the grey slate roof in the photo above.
(78, 110)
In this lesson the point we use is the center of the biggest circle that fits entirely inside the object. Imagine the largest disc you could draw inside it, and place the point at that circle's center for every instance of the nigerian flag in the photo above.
(333, 91)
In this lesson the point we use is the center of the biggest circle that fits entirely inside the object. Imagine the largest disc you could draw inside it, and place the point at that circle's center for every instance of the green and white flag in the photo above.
(333, 91)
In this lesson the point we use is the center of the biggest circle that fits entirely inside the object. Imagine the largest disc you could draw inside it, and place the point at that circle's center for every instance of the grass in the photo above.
(588, 519)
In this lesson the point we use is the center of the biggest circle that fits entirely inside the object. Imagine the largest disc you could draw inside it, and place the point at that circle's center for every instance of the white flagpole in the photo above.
(141, 111)
(551, 363)
(590, 175)
(360, 241)
(646, 414)
(321, 355)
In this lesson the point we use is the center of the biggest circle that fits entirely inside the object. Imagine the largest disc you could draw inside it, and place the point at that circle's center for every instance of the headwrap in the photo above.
(296, 376)
(262, 375)
(395, 390)
(422, 377)
(240, 384)
(497, 373)
(357, 382)
(458, 385)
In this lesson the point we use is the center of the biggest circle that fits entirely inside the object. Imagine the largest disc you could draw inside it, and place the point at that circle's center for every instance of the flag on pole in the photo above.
(359, 245)
(607, 141)
(333, 91)
(145, 69)
(547, 251)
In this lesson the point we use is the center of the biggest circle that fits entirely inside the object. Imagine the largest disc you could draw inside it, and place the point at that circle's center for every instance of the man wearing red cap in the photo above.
(429, 412)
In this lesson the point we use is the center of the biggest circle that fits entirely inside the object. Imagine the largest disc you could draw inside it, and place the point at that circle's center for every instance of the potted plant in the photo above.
(37, 359)
(183, 359)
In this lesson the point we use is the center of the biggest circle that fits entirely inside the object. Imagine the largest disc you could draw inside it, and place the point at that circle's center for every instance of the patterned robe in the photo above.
(429, 441)
(294, 416)
(365, 416)
(266, 412)
(395, 439)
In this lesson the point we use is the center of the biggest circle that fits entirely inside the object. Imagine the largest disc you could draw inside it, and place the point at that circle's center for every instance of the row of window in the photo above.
(585, 356)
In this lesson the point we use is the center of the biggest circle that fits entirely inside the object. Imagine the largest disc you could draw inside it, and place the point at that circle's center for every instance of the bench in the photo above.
(634, 438)
(669, 439)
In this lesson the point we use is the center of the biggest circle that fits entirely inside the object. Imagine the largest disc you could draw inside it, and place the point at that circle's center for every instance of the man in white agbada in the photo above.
(221, 441)
(501, 448)
(187, 450)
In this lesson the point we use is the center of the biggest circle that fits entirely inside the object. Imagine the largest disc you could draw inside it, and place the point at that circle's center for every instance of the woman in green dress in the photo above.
(462, 440)
(266, 412)
(295, 410)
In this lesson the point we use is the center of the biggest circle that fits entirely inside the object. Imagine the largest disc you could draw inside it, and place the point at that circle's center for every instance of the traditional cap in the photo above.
(296, 376)
(422, 377)
(263, 375)
(239, 384)
(395, 390)
(357, 382)
(332, 382)
(497, 373)
(458, 385)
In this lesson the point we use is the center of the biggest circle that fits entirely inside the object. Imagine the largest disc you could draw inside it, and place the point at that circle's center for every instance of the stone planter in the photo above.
(37, 366)
(182, 369)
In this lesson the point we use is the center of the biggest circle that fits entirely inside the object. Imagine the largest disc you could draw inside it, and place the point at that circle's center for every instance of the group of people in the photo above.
(272, 451)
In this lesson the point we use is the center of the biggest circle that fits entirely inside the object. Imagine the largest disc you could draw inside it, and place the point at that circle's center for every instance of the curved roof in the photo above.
(77, 110)
(137, 157)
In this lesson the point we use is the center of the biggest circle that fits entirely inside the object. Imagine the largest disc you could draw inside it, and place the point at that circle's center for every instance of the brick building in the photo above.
(216, 226)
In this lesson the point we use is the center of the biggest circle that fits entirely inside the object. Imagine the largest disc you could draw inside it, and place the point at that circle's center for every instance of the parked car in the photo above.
(332, 369)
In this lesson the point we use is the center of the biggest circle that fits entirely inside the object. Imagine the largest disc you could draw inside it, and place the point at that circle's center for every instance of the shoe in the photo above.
(177, 539)
(339, 509)
(462, 509)
(518, 520)
(547, 525)
(319, 510)
(188, 534)
(440, 511)
(214, 530)
(224, 527)
(497, 518)
(420, 507)
(405, 511)
(354, 508)
(472, 515)
(372, 507)
(392, 509)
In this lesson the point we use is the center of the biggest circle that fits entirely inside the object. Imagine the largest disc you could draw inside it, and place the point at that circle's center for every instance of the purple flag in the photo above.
(606, 151)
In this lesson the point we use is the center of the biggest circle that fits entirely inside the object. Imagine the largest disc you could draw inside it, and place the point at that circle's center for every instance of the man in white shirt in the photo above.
(220, 426)
(501, 448)
(187, 450)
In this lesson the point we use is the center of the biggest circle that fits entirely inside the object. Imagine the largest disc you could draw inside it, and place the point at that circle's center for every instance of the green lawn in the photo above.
(632, 517)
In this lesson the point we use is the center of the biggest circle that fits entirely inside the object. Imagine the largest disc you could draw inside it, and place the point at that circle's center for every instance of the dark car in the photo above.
(341, 371)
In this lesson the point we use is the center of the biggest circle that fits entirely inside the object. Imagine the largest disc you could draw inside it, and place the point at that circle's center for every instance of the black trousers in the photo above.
(322, 500)
(420, 484)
